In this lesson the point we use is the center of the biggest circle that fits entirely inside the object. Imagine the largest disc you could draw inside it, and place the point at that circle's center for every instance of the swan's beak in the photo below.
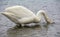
(50, 21)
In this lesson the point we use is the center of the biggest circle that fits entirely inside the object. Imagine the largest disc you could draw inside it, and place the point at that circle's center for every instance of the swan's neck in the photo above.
(37, 18)
(40, 14)
(45, 17)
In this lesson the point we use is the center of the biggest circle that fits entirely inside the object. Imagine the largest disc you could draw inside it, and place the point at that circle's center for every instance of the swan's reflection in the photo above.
(28, 32)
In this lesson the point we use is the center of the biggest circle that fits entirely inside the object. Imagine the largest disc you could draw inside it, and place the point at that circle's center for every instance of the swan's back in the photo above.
(20, 11)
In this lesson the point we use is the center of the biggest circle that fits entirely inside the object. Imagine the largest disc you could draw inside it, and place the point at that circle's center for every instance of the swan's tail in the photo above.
(9, 16)
(1, 13)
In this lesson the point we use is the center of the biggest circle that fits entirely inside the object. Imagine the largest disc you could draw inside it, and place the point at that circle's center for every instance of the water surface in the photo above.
(52, 7)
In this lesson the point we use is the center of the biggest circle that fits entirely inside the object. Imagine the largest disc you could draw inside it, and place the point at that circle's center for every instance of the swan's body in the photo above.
(22, 15)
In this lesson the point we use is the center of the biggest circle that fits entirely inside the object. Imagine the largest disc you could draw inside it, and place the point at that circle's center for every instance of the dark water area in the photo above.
(52, 7)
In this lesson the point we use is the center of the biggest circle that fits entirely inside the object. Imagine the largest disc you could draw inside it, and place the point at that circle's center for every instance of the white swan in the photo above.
(22, 15)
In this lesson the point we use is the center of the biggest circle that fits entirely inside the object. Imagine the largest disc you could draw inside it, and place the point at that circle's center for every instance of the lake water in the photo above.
(52, 7)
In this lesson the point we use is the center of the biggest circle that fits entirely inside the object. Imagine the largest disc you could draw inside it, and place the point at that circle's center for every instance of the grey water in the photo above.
(52, 8)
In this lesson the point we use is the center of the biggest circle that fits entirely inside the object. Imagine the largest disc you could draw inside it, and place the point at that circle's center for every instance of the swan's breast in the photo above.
(36, 19)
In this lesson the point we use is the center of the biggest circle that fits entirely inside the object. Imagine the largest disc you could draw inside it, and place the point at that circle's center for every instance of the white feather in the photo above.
(22, 15)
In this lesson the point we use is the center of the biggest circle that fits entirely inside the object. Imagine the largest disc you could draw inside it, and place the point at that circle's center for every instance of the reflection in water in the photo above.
(26, 32)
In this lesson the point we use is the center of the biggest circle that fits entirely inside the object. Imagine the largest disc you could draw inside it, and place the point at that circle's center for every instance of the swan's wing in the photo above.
(20, 11)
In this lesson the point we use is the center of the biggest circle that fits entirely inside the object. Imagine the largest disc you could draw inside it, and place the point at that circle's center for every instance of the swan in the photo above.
(21, 15)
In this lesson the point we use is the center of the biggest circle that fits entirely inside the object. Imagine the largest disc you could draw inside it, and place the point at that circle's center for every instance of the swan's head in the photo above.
(50, 21)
